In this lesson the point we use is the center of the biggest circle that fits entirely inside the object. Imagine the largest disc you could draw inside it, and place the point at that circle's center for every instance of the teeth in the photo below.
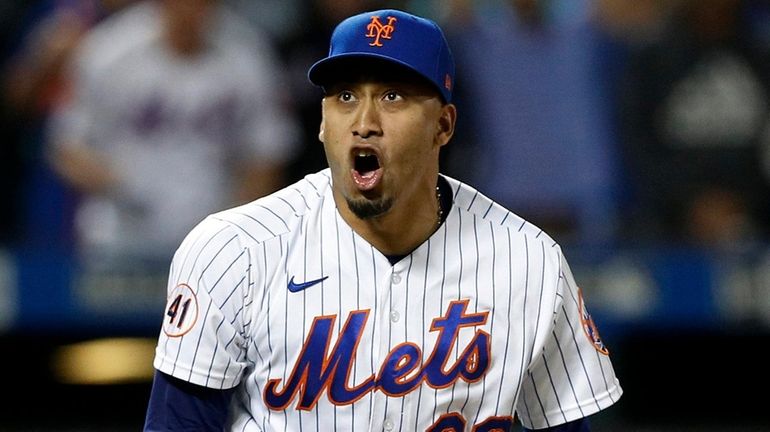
(364, 153)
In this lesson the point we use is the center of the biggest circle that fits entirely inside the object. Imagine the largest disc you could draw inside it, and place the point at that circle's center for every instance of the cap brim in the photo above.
(329, 70)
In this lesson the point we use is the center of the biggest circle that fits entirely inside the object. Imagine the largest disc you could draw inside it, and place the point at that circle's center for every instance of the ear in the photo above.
(321, 126)
(445, 126)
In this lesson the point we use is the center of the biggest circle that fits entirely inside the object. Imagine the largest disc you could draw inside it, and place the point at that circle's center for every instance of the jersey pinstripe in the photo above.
(481, 321)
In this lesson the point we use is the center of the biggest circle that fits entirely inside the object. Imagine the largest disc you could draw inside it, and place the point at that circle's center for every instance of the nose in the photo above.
(367, 119)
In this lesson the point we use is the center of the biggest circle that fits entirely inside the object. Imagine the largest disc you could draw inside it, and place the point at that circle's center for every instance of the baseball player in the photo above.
(377, 294)
(169, 120)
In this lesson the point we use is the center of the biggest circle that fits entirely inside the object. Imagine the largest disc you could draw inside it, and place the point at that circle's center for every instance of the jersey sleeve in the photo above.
(204, 336)
(572, 376)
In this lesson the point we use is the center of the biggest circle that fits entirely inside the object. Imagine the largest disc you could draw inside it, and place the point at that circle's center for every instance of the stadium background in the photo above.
(686, 324)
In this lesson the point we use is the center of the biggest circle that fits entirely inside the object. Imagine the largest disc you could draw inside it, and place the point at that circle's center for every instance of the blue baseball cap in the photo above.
(392, 36)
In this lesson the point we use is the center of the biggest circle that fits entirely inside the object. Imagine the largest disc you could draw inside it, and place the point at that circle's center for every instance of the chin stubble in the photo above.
(367, 209)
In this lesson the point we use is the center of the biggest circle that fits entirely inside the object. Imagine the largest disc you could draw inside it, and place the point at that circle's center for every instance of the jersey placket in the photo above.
(389, 332)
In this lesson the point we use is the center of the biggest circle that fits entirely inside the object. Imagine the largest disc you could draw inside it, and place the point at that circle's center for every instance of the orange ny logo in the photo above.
(376, 30)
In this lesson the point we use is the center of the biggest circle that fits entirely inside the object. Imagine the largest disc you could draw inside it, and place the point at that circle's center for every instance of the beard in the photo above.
(368, 209)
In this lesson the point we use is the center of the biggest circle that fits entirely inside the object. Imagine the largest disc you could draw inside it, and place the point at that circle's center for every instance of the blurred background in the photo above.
(635, 132)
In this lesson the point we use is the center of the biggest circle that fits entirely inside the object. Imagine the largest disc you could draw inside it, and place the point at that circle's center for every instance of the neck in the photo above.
(403, 228)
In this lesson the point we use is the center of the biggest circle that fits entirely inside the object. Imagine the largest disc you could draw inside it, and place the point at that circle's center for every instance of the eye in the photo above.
(392, 96)
(345, 96)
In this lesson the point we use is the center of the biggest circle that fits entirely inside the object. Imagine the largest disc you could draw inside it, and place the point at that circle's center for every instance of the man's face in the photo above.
(382, 137)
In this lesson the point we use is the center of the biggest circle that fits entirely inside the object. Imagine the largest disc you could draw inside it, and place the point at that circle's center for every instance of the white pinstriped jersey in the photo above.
(159, 120)
(481, 321)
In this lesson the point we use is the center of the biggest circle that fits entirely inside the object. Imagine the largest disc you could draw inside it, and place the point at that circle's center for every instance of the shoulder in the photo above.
(468, 199)
(120, 34)
(525, 242)
(243, 44)
(234, 231)
(230, 26)
(278, 213)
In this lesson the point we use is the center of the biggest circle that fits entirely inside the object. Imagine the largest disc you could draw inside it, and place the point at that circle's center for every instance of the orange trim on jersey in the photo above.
(491, 419)
(403, 377)
(303, 377)
(454, 338)
(366, 382)
(325, 362)
(439, 420)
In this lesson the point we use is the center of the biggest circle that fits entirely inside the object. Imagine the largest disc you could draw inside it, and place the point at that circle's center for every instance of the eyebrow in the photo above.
(415, 86)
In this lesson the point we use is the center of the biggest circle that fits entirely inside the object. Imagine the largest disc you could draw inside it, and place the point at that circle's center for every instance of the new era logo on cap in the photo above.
(394, 36)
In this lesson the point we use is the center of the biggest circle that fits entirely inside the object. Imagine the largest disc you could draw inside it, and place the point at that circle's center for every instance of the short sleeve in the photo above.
(572, 377)
(204, 335)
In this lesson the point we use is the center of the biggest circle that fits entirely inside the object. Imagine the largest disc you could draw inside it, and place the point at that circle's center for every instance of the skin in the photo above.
(405, 123)
(185, 24)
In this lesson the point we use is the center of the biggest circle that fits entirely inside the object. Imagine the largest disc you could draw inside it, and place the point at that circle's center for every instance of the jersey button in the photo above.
(394, 315)
(396, 278)
(388, 425)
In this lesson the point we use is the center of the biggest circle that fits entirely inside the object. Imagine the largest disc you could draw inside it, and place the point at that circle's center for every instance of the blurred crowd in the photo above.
(124, 122)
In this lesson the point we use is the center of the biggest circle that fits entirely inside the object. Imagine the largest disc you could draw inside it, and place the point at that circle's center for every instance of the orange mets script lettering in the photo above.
(377, 30)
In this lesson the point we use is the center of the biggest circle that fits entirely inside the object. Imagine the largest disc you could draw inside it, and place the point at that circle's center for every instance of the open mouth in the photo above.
(366, 169)
(366, 163)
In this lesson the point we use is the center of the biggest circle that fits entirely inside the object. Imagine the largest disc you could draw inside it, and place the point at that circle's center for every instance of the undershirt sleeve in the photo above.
(177, 405)
(579, 425)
